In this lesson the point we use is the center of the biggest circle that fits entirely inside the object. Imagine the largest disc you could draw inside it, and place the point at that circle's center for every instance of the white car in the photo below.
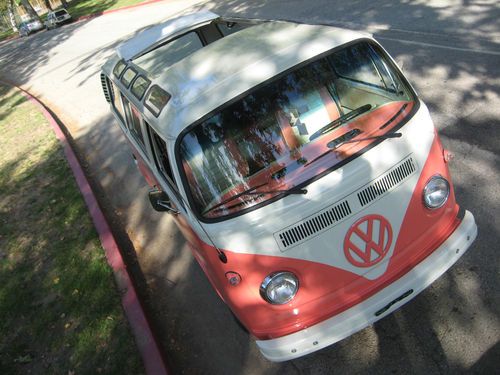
(301, 166)
(57, 18)
(27, 27)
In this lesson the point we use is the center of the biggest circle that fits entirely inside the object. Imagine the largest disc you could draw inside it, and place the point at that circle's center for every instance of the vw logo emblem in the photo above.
(368, 240)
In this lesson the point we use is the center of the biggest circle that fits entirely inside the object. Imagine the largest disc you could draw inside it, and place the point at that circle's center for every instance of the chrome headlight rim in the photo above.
(273, 276)
(426, 191)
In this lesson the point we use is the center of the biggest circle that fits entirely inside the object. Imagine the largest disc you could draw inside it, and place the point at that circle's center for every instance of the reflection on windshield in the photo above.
(272, 135)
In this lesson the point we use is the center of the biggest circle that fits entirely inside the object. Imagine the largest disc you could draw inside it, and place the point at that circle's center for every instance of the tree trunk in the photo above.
(48, 5)
(29, 9)
(12, 17)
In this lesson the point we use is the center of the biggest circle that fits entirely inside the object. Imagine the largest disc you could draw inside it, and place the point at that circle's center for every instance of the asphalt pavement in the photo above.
(449, 50)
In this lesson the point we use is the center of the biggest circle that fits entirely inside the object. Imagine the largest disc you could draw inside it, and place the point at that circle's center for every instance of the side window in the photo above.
(125, 109)
(112, 92)
(118, 103)
(160, 155)
(133, 121)
(135, 124)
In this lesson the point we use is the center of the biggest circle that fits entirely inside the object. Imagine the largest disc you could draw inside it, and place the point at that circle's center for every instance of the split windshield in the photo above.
(292, 130)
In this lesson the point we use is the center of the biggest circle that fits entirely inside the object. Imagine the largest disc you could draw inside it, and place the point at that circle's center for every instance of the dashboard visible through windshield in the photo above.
(295, 128)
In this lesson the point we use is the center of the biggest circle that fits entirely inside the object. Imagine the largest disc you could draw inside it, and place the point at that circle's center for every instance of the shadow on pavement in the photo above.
(453, 326)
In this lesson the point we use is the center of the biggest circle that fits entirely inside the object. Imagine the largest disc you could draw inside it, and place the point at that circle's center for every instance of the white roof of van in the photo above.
(162, 31)
(231, 66)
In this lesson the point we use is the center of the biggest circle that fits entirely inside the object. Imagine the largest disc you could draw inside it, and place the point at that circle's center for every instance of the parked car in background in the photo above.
(27, 27)
(57, 18)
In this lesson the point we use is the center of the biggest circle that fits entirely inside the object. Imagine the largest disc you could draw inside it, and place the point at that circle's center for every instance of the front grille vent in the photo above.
(387, 181)
(105, 87)
(314, 225)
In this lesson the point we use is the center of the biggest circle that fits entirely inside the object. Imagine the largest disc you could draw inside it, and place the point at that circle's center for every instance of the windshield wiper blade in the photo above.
(293, 190)
(252, 191)
(341, 120)
(233, 197)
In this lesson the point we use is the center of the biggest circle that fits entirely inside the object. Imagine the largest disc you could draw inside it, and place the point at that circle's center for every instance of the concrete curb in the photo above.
(149, 349)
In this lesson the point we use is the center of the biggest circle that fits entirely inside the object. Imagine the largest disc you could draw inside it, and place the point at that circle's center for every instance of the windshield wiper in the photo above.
(293, 190)
(336, 143)
(251, 191)
(233, 197)
(341, 120)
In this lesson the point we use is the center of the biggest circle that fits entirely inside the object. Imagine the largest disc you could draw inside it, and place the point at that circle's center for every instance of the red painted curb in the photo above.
(98, 14)
(153, 360)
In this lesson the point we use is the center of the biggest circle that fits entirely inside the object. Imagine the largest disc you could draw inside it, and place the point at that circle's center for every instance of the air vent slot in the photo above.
(106, 87)
(300, 232)
(388, 181)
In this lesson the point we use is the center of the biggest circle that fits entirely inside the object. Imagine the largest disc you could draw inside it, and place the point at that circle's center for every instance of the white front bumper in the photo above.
(362, 315)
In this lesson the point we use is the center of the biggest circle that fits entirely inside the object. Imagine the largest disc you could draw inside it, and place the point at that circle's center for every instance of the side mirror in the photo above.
(161, 202)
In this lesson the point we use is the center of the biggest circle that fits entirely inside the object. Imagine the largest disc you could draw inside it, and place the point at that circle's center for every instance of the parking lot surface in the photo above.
(449, 50)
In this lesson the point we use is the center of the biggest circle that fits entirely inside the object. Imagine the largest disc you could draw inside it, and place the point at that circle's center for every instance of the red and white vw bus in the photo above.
(301, 166)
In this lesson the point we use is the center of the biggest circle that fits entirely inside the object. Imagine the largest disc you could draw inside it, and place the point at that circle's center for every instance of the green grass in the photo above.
(87, 7)
(60, 311)
(6, 34)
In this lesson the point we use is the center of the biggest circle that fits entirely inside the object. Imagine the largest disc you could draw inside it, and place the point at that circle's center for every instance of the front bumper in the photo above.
(377, 306)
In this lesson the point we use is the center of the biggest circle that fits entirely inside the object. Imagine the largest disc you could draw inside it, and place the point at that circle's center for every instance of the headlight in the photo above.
(436, 192)
(279, 288)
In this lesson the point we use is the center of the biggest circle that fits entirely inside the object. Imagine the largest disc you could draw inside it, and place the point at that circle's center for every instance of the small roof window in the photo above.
(156, 99)
(119, 68)
(128, 76)
(140, 86)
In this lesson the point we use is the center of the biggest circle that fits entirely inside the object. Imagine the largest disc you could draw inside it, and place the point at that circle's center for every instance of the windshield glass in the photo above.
(292, 130)
(60, 13)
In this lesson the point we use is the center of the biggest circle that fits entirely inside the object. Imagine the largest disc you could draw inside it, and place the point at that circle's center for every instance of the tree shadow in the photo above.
(54, 281)
(10, 99)
(450, 55)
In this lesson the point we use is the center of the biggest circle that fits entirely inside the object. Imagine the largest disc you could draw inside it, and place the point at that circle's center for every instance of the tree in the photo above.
(12, 17)
(8, 6)
(29, 9)
(48, 5)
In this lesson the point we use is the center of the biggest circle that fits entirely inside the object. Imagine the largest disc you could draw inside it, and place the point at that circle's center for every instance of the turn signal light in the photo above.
(234, 278)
